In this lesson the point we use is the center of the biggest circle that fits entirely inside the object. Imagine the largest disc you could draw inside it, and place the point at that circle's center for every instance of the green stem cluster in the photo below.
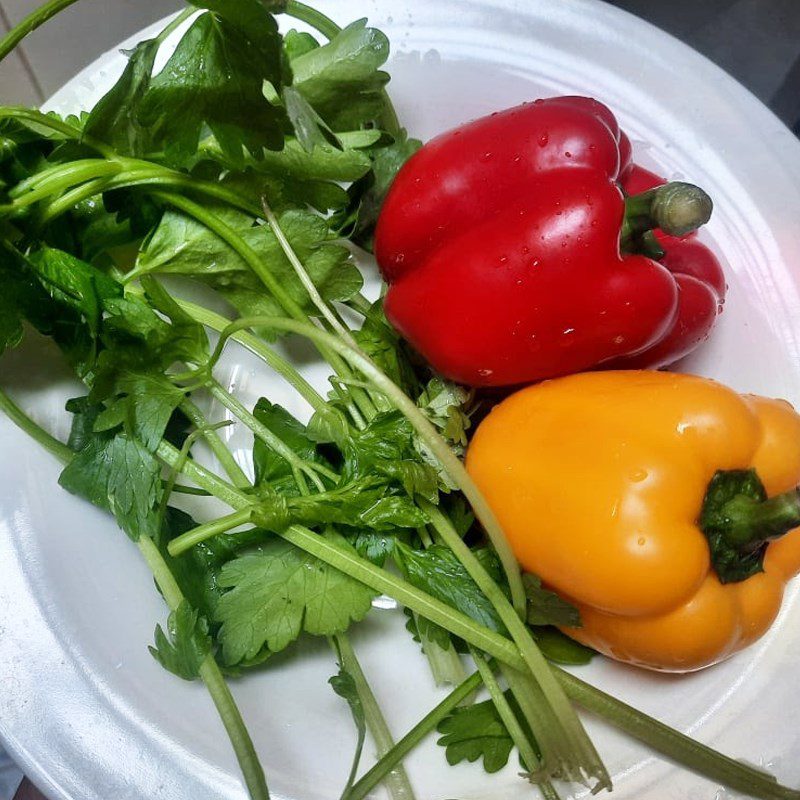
(555, 751)
(64, 186)
(564, 719)
(529, 757)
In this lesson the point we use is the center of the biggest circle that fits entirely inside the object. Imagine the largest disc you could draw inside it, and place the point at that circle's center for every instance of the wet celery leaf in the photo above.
(277, 592)
(347, 66)
(183, 246)
(438, 572)
(119, 474)
(185, 645)
(476, 732)
(546, 607)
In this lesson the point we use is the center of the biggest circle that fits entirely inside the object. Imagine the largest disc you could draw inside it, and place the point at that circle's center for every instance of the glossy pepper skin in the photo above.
(599, 479)
(500, 244)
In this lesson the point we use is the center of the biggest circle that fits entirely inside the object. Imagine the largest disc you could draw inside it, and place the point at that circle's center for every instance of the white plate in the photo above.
(91, 716)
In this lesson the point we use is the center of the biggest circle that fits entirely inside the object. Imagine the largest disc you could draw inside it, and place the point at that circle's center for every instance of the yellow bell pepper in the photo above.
(641, 497)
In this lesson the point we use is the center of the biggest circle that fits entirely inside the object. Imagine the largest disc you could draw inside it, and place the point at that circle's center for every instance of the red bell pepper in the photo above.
(500, 241)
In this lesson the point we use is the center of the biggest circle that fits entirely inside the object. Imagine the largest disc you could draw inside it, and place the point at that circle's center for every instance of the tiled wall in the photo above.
(55, 52)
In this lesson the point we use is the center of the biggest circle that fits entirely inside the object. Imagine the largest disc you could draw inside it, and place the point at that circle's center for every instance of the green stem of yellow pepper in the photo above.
(739, 520)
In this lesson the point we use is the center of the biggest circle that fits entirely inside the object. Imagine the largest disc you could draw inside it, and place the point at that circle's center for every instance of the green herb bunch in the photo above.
(251, 167)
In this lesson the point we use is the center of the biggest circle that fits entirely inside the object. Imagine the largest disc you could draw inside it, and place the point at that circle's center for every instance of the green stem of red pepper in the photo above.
(648, 245)
(675, 208)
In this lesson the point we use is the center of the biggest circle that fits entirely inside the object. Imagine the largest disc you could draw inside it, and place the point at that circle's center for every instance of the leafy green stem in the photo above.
(674, 745)
(210, 529)
(316, 19)
(60, 175)
(256, 264)
(170, 484)
(235, 406)
(33, 21)
(64, 179)
(61, 205)
(361, 398)
(223, 454)
(167, 585)
(150, 177)
(138, 171)
(34, 430)
(176, 180)
(202, 477)
(405, 745)
(445, 663)
(192, 490)
(305, 278)
(212, 677)
(246, 754)
(257, 347)
(395, 779)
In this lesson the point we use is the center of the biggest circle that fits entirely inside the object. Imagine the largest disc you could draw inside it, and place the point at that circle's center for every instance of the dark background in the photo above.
(756, 41)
